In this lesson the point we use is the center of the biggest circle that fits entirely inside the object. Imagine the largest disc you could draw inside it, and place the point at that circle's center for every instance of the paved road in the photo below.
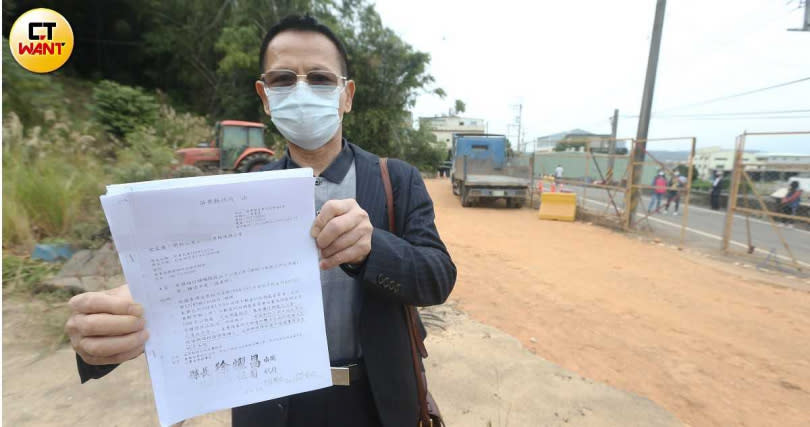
(705, 228)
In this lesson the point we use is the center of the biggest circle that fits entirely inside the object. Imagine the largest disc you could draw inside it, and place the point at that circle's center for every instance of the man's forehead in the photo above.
(302, 49)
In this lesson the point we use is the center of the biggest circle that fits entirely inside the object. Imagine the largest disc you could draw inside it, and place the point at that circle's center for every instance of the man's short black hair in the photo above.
(303, 23)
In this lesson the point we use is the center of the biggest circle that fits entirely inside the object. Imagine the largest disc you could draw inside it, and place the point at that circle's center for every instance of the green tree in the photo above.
(389, 74)
(121, 109)
(26, 93)
(565, 145)
(421, 149)
(460, 107)
(684, 170)
(203, 55)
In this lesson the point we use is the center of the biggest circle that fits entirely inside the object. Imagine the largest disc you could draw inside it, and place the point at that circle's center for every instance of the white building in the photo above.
(784, 158)
(778, 166)
(765, 166)
(598, 143)
(710, 160)
(445, 126)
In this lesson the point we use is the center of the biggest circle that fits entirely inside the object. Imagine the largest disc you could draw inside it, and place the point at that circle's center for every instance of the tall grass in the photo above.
(56, 162)
(49, 183)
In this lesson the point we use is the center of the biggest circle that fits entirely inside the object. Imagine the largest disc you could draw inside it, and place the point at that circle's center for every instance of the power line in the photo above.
(737, 95)
(739, 113)
(734, 118)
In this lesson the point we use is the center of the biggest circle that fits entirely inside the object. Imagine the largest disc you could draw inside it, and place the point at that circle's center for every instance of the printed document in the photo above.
(228, 276)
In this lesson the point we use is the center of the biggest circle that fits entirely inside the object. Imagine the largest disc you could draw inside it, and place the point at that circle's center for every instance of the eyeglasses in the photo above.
(285, 80)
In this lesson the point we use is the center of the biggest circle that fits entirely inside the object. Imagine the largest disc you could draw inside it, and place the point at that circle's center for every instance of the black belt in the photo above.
(346, 375)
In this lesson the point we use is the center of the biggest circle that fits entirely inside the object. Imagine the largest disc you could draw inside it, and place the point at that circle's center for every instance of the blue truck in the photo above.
(482, 170)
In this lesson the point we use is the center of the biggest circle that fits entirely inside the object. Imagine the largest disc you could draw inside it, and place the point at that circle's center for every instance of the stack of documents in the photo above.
(227, 272)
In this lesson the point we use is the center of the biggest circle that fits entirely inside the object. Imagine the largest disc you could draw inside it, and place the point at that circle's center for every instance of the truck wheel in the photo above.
(456, 186)
(253, 162)
(510, 204)
(465, 198)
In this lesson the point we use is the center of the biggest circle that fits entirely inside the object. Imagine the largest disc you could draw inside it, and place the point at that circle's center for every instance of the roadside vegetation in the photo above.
(114, 115)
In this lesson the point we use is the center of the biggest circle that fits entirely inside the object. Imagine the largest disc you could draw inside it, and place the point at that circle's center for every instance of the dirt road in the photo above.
(714, 345)
(494, 382)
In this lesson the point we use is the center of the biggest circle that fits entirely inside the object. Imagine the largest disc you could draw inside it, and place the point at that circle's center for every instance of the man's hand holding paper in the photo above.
(106, 327)
(227, 272)
(342, 231)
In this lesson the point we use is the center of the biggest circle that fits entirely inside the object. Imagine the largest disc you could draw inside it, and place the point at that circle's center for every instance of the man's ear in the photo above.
(260, 91)
(348, 93)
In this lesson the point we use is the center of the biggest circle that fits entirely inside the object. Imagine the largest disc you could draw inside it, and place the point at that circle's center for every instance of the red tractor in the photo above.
(237, 146)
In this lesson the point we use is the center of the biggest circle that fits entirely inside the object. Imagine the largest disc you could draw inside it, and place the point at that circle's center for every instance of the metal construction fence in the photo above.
(755, 204)
(768, 210)
(604, 182)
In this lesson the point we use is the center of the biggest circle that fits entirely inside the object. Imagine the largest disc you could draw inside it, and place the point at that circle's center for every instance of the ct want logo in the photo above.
(41, 40)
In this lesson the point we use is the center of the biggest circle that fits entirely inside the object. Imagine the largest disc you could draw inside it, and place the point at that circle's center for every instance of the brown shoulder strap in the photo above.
(389, 203)
(410, 311)
(389, 194)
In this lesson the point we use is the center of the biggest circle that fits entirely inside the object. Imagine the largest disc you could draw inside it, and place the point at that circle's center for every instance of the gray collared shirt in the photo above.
(342, 294)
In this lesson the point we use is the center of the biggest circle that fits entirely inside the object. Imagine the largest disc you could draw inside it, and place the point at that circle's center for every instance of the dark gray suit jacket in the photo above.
(411, 268)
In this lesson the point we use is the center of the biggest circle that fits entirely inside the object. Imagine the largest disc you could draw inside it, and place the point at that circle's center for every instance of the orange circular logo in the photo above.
(41, 40)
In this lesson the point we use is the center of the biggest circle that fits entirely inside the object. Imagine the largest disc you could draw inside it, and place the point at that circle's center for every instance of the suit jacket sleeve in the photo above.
(415, 268)
(89, 372)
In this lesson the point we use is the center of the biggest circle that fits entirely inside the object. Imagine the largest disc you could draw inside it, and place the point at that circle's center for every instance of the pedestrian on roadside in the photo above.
(676, 184)
(370, 273)
(659, 188)
(790, 203)
(558, 173)
(716, 185)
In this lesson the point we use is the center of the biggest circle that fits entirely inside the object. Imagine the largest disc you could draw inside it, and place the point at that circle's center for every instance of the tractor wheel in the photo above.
(186, 171)
(253, 162)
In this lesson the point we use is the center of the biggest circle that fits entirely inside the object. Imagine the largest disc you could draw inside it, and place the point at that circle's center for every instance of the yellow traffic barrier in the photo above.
(558, 206)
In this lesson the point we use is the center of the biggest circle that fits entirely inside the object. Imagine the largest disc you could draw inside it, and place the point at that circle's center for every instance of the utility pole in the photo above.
(646, 108)
(520, 128)
(517, 123)
(806, 26)
(806, 23)
(614, 122)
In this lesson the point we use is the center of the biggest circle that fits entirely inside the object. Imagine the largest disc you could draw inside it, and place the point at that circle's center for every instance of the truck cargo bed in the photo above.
(495, 181)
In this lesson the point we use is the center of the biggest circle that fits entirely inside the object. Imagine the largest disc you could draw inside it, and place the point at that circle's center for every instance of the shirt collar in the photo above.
(337, 170)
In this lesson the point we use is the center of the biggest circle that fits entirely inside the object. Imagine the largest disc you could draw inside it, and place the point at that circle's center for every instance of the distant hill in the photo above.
(671, 156)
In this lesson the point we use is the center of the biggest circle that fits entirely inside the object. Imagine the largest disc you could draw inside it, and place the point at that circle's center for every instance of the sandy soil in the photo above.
(712, 343)
(717, 346)
(495, 381)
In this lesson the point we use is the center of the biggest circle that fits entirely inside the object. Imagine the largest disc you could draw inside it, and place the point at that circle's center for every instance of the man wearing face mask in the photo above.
(368, 273)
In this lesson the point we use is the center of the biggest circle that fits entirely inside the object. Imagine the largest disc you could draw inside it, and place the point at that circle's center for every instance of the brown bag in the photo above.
(429, 415)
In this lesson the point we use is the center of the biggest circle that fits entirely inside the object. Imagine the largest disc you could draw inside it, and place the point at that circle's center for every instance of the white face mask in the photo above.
(307, 117)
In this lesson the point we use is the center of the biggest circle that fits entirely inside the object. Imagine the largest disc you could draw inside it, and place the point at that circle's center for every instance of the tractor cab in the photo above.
(237, 146)
(235, 138)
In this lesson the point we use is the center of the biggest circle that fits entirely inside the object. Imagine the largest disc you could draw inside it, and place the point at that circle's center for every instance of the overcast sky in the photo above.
(570, 63)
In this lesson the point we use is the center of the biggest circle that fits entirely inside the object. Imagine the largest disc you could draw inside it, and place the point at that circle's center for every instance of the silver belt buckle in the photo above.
(341, 376)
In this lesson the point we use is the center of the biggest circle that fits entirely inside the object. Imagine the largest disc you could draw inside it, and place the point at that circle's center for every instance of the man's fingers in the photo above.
(336, 228)
(104, 347)
(346, 240)
(342, 257)
(329, 210)
(99, 302)
(103, 324)
(121, 291)
(113, 360)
